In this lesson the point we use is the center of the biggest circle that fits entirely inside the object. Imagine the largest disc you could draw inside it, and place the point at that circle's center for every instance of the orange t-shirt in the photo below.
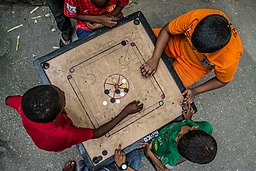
(191, 65)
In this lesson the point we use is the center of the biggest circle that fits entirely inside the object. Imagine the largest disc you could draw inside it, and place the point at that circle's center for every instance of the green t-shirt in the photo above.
(165, 145)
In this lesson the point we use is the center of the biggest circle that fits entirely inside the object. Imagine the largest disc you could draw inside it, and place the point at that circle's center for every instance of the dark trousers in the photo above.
(63, 22)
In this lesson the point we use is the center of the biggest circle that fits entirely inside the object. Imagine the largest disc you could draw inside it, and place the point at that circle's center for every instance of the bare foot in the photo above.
(69, 166)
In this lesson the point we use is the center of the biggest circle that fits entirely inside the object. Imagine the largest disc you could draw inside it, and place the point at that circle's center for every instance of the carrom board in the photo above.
(100, 75)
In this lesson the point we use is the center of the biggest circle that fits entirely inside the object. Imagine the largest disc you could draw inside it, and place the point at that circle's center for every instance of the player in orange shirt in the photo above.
(198, 41)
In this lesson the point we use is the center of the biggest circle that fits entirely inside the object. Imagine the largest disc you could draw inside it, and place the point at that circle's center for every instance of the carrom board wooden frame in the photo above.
(72, 75)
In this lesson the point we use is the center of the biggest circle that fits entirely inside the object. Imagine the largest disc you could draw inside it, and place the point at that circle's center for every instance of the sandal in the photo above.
(81, 165)
(69, 166)
(64, 42)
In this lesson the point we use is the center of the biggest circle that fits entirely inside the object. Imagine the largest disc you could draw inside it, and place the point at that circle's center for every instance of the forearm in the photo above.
(156, 161)
(209, 85)
(161, 42)
(102, 130)
(117, 10)
(88, 18)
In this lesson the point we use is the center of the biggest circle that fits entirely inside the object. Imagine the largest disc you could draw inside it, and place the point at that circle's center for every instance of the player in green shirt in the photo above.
(187, 139)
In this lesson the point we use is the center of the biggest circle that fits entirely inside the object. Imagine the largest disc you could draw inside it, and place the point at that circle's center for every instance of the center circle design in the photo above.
(116, 86)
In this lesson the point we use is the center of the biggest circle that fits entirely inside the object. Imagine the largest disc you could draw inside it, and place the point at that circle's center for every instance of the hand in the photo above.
(149, 68)
(108, 20)
(94, 26)
(189, 96)
(133, 107)
(120, 157)
(146, 145)
(189, 113)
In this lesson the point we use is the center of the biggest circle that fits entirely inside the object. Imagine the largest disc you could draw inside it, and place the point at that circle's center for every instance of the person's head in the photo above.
(197, 146)
(43, 103)
(211, 34)
(100, 3)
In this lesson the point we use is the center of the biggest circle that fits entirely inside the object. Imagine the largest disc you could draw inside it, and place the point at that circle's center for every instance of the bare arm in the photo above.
(131, 108)
(157, 162)
(88, 18)
(154, 159)
(209, 85)
(117, 10)
(106, 20)
(96, 23)
(161, 42)
(150, 67)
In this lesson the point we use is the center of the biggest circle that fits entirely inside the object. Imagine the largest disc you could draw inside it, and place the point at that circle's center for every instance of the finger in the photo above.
(154, 71)
(181, 102)
(192, 110)
(113, 23)
(89, 25)
(150, 71)
(137, 102)
(142, 70)
(185, 92)
(140, 105)
(120, 152)
(140, 108)
(133, 102)
(185, 101)
(113, 17)
(183, 112)
(142, 66)
(117, 152)
(119, 147)
(145, 68)
(145, 73)
(189, 99)
(148, 74)
(143, 144)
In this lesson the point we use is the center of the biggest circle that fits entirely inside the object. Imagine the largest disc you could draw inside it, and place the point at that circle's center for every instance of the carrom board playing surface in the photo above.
(101, 75)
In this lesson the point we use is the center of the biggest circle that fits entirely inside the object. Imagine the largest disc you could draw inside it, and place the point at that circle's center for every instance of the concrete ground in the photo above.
(231, 109)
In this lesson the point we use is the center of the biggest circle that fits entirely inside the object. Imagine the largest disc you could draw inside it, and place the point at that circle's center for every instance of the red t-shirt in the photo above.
(53, 136)
(74, 7)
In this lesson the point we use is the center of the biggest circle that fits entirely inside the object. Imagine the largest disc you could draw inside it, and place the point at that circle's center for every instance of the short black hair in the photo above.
(197, 146)
(41, 104)
(211, 34)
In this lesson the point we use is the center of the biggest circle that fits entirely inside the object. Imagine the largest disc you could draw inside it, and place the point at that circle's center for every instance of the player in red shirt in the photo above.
(94, 14)
(42, 113)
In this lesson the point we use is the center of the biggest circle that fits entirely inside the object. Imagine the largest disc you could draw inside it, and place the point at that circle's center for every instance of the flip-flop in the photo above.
(69, 166)
(64, 42)
(81, 165)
